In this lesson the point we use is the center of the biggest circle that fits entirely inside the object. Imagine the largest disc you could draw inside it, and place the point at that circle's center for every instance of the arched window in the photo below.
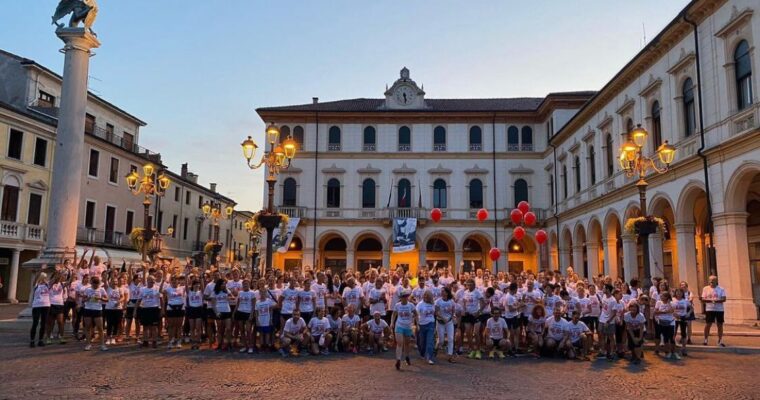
(298, 136)
(404, 195)
(577, 169)
(513, 139)
(628, 126)
(656, 125)
(689, 110)
(404, 139)
(369, 139)
(439, 138)
(289, 193)
(564, 181)
(333, 193)
(368, 193)
(476, 139)
(333, 140)
(521, 191)
(527, 139)
(592, 164)
(609, 155)
(551, 188)
(439, 193)
(284, 133)
(476, 193)
(743, 72)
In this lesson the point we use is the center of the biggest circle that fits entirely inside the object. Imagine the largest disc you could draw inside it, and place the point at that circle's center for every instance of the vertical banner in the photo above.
(404, 234)
(282, 242)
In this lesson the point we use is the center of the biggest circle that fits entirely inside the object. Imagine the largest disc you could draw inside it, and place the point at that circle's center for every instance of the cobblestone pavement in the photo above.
(65, 371)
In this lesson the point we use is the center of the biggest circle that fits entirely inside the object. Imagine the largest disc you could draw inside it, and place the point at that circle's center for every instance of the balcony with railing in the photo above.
(404, 147)
(100, 237)
(292, 211)
(526, 147)
(125, 143)
(439, 147)
(369, 147)
(476, 147)
(333, 147)
(21, 232)
(513, 147)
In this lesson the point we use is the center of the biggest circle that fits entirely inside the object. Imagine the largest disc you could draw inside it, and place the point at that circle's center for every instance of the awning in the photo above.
(117, 257)
(113, 256)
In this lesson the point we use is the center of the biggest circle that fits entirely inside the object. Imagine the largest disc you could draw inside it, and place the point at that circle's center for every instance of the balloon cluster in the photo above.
(523, 216)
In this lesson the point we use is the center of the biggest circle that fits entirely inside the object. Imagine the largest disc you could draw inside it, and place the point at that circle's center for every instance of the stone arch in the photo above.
(325, 236)
(447, 237)
(368, 234)
(659, 203)
(489, 242)
(631, 210)
(689, 194)
(735, 197)
(594, 232)
(11, 179)
(611, 220)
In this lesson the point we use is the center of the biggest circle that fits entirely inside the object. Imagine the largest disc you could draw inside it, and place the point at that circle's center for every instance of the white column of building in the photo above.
(564, 258)
(386, 258)
(630, 260)
(656, 267)
(350, 260)
(577, 260)
(611, 257)
(687, 255)
(458, 258)
(421, 260)
(553, 260)
(732, 253)
(592, 253)
(13, 278)
(69, 143)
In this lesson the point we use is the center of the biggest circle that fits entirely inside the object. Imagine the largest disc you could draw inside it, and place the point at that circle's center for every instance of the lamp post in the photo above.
(212, 210)
(151, 183)
(277, 158)
(634, 162)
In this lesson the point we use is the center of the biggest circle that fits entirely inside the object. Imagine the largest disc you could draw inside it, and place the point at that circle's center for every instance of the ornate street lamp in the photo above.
(276, 159)
(634, 162)
(213, 211)
(151, 183)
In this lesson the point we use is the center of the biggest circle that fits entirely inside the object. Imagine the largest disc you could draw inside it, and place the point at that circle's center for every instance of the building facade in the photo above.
(365, 161)
(29, 104)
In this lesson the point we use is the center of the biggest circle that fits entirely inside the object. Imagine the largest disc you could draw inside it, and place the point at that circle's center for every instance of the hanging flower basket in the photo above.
(137, 237)
(645, 225)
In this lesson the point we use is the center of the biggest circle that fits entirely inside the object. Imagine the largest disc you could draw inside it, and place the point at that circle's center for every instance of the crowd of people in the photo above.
(434, 313)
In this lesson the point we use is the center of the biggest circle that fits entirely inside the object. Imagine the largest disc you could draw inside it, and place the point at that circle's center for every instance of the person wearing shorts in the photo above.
(664, 313)
(319, 331)
(57, 305)
(264, 310)
(635, 323)
(294, 334)
(511, 304)
(94, 298)
(497, 330)
(243, 316)
(714, 297)
(404, 317)
(194, 313)
(149, 304)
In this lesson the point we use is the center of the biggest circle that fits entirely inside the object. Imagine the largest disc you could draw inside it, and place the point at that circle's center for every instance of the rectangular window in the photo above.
(130, 222)
(10, 203)
(184, 228)
(94, 161)
(35, 209)
(174, 226)
(14, 144)
(110, 224)
(46, 100)
(113, 173)
(40, 152)
(187, 197)
(200, 201)
(132, 168)
(176, 194)
(109, 132)
(89, 124)
(89, 214)
(128, 141)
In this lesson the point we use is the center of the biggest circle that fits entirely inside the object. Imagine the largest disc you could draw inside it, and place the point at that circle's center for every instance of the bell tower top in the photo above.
(404, 94)
(405, 73)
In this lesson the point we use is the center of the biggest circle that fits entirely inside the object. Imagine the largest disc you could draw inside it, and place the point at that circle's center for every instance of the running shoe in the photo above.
(676, 356)
(491, 354)
(87, 347)
(471, 355)
(704, 343)
(325, 352)
(31, 344)
(48, 341)
(283, 353)
(478, 355)
(500, 354)
(431, 362)
(408, 361)
(103, 348)
(61, 340)
(250, 350)
(398, 365)
(721, 344)
(40, 343)
(243, 350)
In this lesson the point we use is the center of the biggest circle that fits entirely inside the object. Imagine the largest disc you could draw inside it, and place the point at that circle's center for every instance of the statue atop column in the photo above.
(83, 11)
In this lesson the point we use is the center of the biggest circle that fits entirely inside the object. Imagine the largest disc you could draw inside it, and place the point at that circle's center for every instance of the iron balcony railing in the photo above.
(93, 236)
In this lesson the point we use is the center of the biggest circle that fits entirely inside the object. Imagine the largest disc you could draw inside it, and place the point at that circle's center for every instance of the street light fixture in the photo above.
(213, 211)
(634, 162)
(279, 157)
(149, 184)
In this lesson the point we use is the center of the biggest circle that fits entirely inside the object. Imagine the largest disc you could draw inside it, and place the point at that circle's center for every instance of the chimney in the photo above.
(314, 100)
(212, 186)
(184, 171)
(192, 177)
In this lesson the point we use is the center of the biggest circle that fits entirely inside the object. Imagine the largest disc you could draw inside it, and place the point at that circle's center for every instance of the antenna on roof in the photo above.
(644, 30)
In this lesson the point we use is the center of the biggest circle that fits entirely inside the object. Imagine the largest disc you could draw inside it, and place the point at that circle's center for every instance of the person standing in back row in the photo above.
(713, 297)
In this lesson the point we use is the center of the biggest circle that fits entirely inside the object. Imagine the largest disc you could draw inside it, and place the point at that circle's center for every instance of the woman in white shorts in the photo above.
(403, 319)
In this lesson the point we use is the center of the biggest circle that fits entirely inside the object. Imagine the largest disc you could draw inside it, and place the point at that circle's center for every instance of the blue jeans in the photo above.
(426, 340)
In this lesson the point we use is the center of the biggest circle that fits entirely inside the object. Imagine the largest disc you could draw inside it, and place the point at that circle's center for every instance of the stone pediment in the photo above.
(476, 170)
(440, 170)
(291, 171)
(38, 185)
(606, 121)
(333, 169)
(627, 104)
(520, 170)
(685, 60)
(404, 170)
(369, 170)
(651, 87)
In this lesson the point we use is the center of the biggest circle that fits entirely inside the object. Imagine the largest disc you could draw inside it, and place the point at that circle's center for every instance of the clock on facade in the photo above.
(405, 95)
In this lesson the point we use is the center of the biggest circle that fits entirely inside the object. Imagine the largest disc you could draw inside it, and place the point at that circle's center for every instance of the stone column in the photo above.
(655, 256)
(386, 258)
(63, 214)
(564, 258)
(732, 255)
(611, 267)
(13, 278)
(458, 258)
(577, 260)
(350, 261)
(421, 260)
(630, 259)
(687, 255)
(553, 260)
(592, 253)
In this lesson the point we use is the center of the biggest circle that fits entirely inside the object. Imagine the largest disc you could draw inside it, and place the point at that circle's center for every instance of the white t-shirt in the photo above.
(536, 325)
(134, 294)
(496, 328)
(351, 322)
(93, 298)
(531, 299)
(264, 312)
(417, 294)
(56, 294)
(405, 315)
(426, 313)
(576, 330)
(445, 309)
(289, 299)
(550, 302)
(557, 329)
(378, 295)
(208, 291)
(708, 293)
(353, 296)
(318, 326)
(114, 297)
(607, 310)
(41, 296)
(150, 297)
(321, 291)
(195, 299)
(306, 300)
(471, 301)
(97, 270)
(637, 322)
(681, 307)
(222, 302)
(245, 301)
(510, 301)
(175, 296)
(668, 309)
(436, 290)
(377, 327)
(294, 328)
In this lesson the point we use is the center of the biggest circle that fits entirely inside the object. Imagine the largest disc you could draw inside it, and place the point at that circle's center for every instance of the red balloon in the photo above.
(494, 254)
(519, 233)
(516, 215)
(482, 214)
(523, 206)
(541, 236)
(530, 218)
(436, 214)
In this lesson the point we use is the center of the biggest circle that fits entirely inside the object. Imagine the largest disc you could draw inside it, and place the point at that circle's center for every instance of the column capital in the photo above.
(578, 247)
(655, 236)
(730, 218)
(77, 39)
(593, 245)
(628, 237)
(684, 226)
(609, 240)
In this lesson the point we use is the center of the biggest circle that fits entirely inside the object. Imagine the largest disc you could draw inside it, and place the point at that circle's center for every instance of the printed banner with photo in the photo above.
(404, 234)
(282, 242)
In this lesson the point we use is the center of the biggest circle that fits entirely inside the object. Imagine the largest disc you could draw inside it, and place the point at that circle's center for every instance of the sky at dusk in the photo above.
(196, 70)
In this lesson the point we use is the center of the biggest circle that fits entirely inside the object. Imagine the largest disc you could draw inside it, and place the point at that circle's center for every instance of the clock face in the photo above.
(405, 95)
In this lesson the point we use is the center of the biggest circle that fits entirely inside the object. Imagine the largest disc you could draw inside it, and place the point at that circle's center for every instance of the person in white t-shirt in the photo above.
(635, 326)
(194, 312)
(535, 329)
(94, 297)
(445, 315)
(264, 309)
(473, 303)
(664, 313)
(403, 319)
(243, 316)
(496, 333)
(713, 297)
(351, 329)
(557, 333)
(40, 308)
(174, 302)
(377, 332)
(319, 333)
(580, 337)
(293, 334)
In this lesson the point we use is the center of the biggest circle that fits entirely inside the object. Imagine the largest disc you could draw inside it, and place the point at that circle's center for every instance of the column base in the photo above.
(740, 312)
(50, 257)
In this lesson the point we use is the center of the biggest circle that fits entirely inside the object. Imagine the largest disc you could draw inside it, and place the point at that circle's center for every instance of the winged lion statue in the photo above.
(83, 11)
